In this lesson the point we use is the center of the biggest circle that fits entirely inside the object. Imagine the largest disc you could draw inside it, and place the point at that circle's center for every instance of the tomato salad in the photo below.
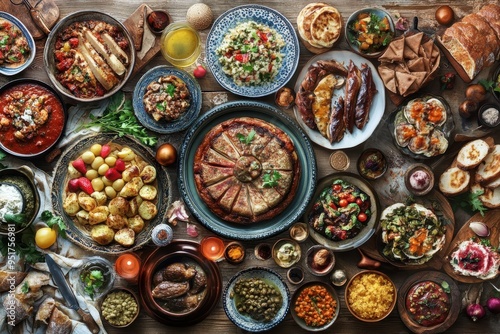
(341, 211)
(250, 53)
(14, 48)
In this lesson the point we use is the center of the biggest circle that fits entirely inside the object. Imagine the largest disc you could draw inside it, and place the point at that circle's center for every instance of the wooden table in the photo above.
(218, 322)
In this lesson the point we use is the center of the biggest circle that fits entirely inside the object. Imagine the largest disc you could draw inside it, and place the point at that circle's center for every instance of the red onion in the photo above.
(475, 311)
(493, 304)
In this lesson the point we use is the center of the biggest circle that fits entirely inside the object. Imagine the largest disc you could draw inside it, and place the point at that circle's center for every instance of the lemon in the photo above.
(45, 237)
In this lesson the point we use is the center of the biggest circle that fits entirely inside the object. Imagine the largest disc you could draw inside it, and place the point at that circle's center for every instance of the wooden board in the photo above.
(373, 247)
(47, 9)
(149, 46)
(492, 220)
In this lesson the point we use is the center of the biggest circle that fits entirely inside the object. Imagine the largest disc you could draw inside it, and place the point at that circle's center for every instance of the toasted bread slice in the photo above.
(454, 181)
(493, 184)
(490, 197)
(472, 154)
(489, 169)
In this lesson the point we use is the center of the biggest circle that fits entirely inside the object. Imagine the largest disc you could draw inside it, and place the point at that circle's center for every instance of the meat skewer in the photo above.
(336, 126)
(353, 85)
(365, 97)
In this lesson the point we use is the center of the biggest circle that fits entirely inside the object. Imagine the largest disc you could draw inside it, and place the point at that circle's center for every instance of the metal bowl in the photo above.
(48, 52)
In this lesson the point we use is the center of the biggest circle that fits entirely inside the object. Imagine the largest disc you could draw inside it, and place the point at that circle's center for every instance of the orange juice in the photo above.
(180, 44)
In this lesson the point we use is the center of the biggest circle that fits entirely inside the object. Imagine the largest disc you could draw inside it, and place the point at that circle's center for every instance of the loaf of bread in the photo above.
(474, 42)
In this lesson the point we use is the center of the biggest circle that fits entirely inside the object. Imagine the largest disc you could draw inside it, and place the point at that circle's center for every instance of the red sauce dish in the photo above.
(32, 117)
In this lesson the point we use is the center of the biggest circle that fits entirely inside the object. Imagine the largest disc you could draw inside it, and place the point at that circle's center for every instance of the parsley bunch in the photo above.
(119, 117)
(469, 201)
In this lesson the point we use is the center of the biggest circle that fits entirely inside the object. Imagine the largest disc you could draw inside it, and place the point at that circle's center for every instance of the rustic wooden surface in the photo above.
(391, 190)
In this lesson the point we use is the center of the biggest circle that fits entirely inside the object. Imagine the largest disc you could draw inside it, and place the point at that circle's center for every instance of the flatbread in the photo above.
(388, 77)
(405, 82)
(416, 65)
(305, 18)
(326, 27)
(394, 52)
(414, 41)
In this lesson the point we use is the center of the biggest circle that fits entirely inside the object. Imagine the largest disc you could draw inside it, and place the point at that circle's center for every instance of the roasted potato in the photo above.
(98, 215)
(126, 154)
(131, 189)
(130, 172)
(118, 206)
(147, 210)
(136, 223)
(116, 222)
(70, 204)
(83, 217)
(148, 174)
(125, 237)
(86, 202)
(100, 197)
(72, 172)
(148, 192)
(133, 208)
(102, 234)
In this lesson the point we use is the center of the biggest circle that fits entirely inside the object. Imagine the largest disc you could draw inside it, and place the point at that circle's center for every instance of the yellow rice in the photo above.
(370, 296)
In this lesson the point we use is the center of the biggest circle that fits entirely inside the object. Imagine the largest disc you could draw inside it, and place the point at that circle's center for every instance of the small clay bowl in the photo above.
(263, 251)
(372, 164)
(283, 259)
(133, 294)
(299, 232)
(284, 98)
(417, 168)
(230, 248)
(295, 275)
(158, 20)
(481, 115)
(314, 268)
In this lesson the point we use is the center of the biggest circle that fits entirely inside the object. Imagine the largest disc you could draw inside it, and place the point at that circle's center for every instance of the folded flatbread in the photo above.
(388, 76)
(394, 52)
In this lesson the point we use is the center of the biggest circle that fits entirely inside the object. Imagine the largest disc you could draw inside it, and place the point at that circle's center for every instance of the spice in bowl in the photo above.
(263, 251)
(419, 179)
(120, 308)
(339, 160)
(295, 275)
(489, 115)
(372, 164)
(299, 232)
(234, 252)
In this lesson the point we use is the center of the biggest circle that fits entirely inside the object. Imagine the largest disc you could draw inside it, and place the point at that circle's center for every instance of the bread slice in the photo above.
(454, 181)
(490, 197)
(493, 184)
(472, 154)
(489, 169)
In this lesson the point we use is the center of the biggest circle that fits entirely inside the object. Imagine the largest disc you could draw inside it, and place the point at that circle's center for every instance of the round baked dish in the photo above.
(246, 170)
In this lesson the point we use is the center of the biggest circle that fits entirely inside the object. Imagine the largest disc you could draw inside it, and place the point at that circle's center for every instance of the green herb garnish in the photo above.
(119, 117)
(469, 201)
(92, 282)
(271, 179)
(246, 139)
(25, 247)
(445, 286)
(170, 90)
(2, 156)
(51, 221)
(490, 84)
(160, 106)
(25, 288)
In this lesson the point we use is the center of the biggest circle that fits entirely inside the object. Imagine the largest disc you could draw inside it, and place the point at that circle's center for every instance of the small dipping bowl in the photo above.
(419, 179)
(285, 98)
(234, 252)
(372, 164)
(263, 251)
(108, 273)
(299, 232)
(339, 160)
(320, 260)
(286, 252)
(180, 44)
(158, 20)
(128, 308)
(295, 275)
(489, 115)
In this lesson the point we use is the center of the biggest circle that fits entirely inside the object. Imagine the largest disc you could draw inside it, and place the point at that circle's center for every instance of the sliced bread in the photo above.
(472, 154)
(454, 181)
(490, 197)
(489, 169)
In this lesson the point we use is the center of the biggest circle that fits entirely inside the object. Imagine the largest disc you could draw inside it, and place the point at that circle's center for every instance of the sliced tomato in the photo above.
(64, 65)
(242, 58)
(333, 206)
(359, 201)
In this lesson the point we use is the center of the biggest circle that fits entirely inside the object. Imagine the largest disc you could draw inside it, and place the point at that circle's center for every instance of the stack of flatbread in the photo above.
(319, 26)
(409, 63)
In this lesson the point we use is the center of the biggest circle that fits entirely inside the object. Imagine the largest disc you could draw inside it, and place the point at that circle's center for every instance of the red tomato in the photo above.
(351, 198)
(343, 203)
(362, 217)
(337, 187)
(359, 201)
(262, 36)
(333, 206)
(73, 42)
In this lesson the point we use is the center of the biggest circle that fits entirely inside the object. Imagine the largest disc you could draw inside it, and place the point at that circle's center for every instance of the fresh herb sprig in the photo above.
(119, 117)
(469, 201)
(92, 282)
(270, 179)
(246, 139)
(51, 221)
(25, 247)
(490, 84)
(2, 156)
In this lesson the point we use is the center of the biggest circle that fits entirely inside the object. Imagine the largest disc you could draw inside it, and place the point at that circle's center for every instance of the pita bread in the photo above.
(394, 52)
(414, 41)
(388, 77)
(416, 65)
(326, 27)
(420, 77)
(404, 82)
(305, 17)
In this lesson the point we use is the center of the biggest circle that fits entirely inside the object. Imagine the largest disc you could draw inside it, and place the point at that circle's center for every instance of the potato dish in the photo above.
(111, 192)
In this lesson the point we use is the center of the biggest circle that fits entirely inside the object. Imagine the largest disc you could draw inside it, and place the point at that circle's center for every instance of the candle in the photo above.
(212, 248)
(128, 266)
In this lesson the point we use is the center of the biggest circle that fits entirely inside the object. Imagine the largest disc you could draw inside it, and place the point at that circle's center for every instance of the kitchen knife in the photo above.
(69, 296)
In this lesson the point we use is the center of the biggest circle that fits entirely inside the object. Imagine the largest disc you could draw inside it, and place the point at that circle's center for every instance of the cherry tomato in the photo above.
(343, 203)
(333, 206)
(362, 217)
(45, 237)
(337, 187)
(351, 198)
(359, 201)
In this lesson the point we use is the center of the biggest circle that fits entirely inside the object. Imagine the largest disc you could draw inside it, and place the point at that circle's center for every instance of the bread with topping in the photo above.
(472, 154)
(489, 169)
(454, 181)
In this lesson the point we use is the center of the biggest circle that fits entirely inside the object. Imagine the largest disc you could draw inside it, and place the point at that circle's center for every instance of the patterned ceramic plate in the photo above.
(246, 322)
(17, 69)
(164, 126)
(266, 228)
(262, 15)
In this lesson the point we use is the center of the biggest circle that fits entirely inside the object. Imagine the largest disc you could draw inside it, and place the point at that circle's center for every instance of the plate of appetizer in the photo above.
(340, 99)
(246, 170)
(344, 212)
(421, 127)
(429, 302)
(167, 99)
(473, 257)
(18, 47)
(111, 193)
(259, 63)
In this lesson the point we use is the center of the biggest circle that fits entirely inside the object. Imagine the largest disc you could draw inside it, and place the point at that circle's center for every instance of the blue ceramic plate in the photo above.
(263, 15)
(262, 229)
(17, 69)
(245, 322)
(164, 126)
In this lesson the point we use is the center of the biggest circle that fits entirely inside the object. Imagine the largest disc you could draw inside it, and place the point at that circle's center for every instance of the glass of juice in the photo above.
(180, 44)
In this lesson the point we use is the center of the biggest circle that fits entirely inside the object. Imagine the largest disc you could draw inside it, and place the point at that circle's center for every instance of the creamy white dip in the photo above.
(11, 200)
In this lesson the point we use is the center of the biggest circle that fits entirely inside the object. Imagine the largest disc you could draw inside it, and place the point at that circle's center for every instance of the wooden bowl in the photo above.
(283, 259)
(134, 295)
(370, 283)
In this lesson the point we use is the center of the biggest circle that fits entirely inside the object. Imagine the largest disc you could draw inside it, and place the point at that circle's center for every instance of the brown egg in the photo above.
(166, 154)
